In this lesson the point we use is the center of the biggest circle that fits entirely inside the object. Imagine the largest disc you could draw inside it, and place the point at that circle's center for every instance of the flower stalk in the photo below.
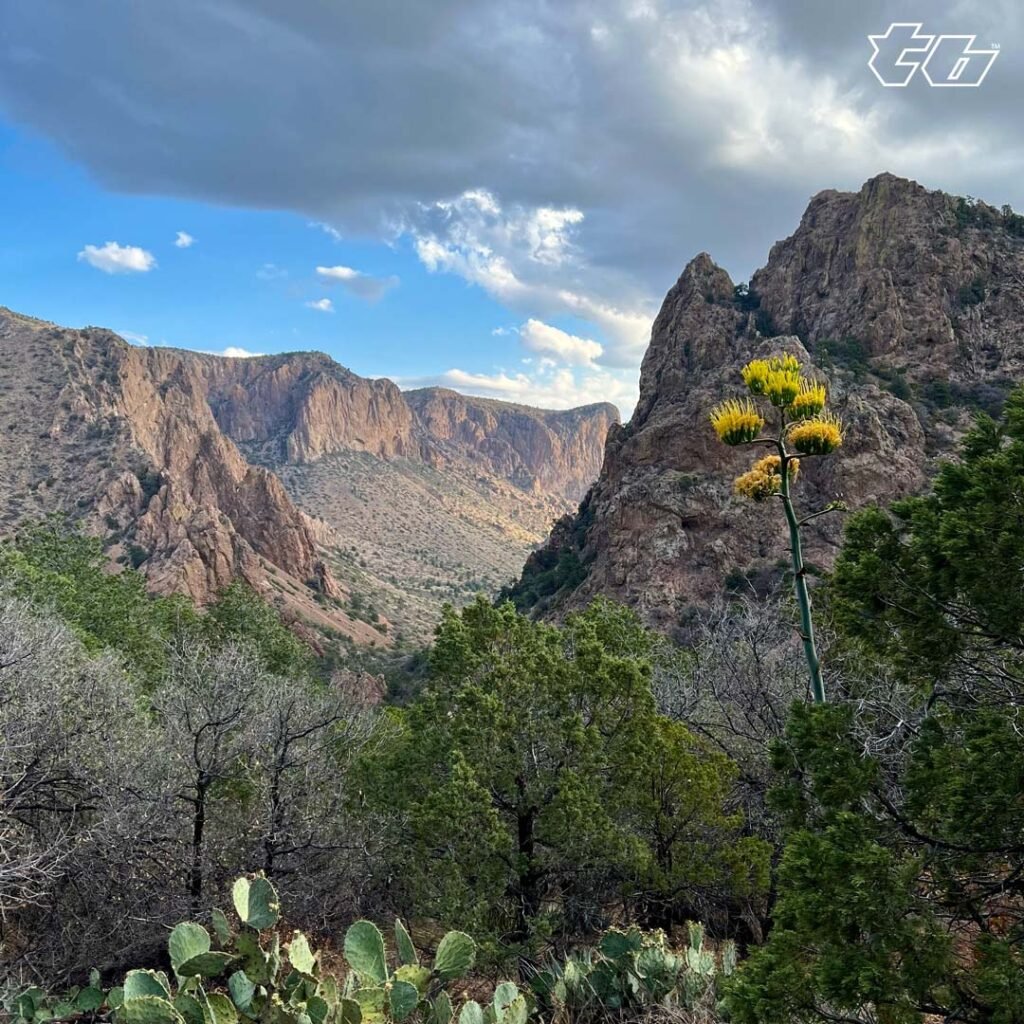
(803, 424)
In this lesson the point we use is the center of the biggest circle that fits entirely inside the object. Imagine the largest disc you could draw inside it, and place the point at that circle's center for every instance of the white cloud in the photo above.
(546, 387)
(230, 352)
(540, 337)
(363, 286)
(118, 259)
(322, 305)
(184, 240)
(327, 229)
(271, 272)
(520, 256)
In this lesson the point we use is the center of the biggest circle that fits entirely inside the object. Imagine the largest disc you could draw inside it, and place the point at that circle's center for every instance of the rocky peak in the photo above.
(909, 303)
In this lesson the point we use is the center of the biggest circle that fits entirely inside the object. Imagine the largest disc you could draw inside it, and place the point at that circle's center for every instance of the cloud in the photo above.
(118, 259)
(547, 387)
(538, 336)
(184, 240)
(230, 352)
(271, 272)
(327, 229)
(363, 286)
(322, 305)
(567, 158)
(515, 254)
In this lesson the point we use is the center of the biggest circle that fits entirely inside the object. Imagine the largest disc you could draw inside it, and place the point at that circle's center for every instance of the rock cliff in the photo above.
(909, 303)
(537, 450)
(181, 461)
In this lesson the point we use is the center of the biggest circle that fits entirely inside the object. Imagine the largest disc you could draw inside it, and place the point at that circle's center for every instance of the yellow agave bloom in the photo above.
(771, 464)
(757, 485)
(763, 479)
(782, 387)
(755, 375)
(777, 378)
(817, 436)
(810, 401)
(736, 421)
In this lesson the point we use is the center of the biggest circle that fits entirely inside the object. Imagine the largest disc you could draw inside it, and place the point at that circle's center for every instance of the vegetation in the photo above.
(573, 796)
(801, 426)
(534, 784)
(899, 885)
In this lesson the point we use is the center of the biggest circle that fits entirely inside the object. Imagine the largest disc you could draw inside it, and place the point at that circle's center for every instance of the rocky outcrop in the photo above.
(144, 460)
(176, 459)
(910, 304)
(308, 406)
(537, 450)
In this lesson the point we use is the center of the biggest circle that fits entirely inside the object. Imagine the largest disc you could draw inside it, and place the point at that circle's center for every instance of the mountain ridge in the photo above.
(908, 303)
(176, 458)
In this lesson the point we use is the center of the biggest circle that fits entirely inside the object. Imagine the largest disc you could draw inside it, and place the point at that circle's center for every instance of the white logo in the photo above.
(947, 61)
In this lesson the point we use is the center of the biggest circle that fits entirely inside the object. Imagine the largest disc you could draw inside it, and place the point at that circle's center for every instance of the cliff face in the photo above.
(909, 303)
(309, 405)
(176, 459)
(537, 450)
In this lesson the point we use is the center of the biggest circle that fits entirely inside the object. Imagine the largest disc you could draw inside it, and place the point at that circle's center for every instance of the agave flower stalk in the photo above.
(804, 429)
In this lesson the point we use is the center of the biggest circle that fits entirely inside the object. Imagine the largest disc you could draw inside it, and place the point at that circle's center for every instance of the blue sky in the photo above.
(244, 283)
(493, 195)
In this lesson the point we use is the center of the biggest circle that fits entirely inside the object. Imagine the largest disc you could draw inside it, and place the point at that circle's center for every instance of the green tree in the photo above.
(53, 566)
(240, 615)
(901, 886)
(526, 783)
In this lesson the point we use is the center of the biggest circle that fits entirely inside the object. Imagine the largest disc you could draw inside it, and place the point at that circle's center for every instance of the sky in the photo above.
(490, 195)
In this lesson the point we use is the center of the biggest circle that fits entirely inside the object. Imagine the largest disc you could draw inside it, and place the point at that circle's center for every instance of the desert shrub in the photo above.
(242, 973)
(631, 974)
(122, 806)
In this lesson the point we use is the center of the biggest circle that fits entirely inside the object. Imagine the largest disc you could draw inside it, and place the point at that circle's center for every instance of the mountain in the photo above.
(353, 506)
(909, 303)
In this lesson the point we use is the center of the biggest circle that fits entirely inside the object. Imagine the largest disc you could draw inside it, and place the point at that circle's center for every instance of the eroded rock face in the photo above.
(910, 302)
(310, 405)
(537, 450)
(132, 445)
(171, 456)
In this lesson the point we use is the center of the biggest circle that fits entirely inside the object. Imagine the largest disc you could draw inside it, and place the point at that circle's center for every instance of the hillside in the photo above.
(340, 498)
(910, 303)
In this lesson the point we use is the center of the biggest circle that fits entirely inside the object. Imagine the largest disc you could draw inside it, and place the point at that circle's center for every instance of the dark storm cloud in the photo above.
(672, 127)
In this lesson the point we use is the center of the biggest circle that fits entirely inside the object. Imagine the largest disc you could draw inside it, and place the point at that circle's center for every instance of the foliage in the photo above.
(555, 568)
(55, 567)
(936, 582)
(534, 780)
(899, 888)
(52, 566)
(630, 972)
(120, 810)
(35, 1006)
(848, 354)
(249, 976)
(240, 616)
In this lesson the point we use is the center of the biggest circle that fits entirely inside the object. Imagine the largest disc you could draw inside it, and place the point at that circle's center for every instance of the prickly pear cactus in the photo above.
(243, 975)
